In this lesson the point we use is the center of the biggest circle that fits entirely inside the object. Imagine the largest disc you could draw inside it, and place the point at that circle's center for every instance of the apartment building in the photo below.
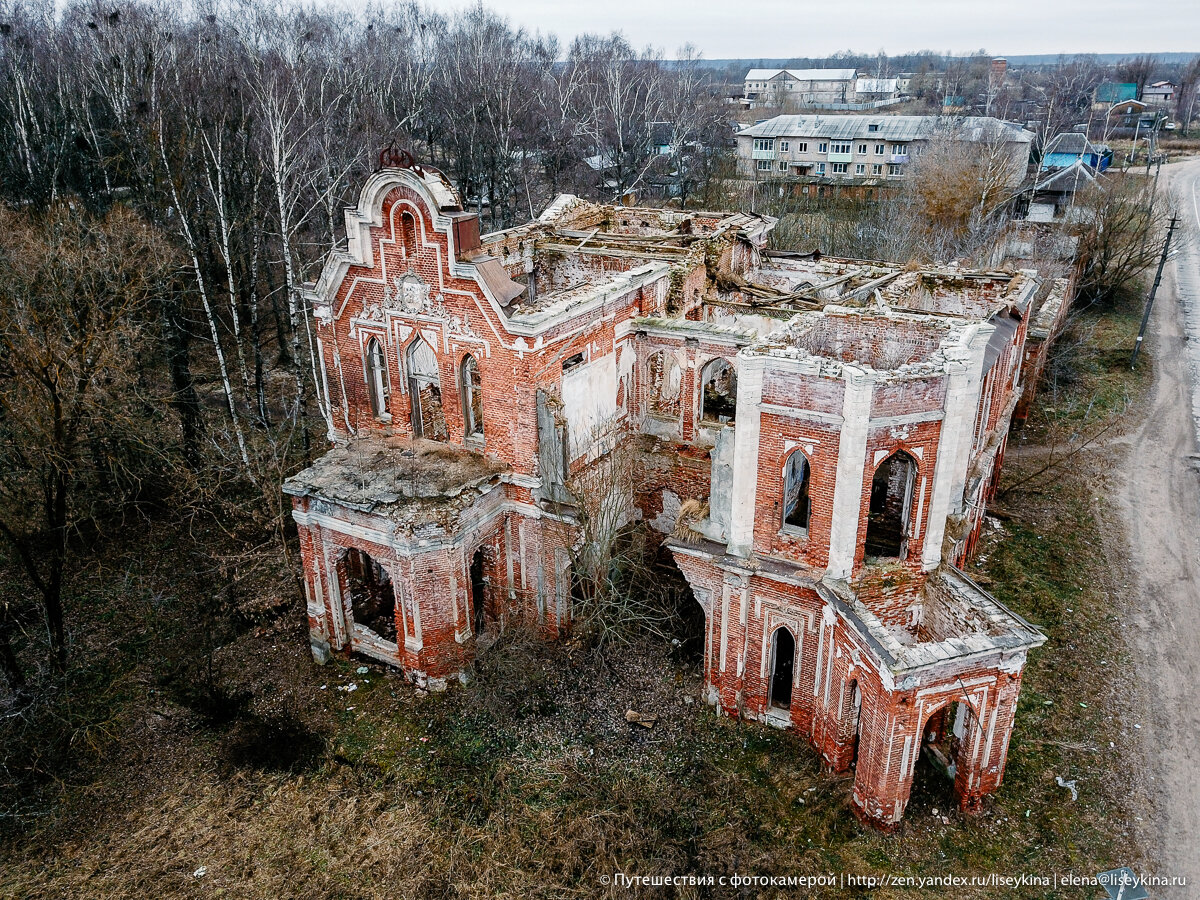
(862, 147)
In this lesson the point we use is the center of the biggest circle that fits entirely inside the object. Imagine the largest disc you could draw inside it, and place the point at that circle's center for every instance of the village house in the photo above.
(839, 426)
(1161, 93)
(851, 147)
(1071, 147)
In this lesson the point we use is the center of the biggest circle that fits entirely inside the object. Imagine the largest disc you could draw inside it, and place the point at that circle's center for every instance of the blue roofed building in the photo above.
(1072, 147)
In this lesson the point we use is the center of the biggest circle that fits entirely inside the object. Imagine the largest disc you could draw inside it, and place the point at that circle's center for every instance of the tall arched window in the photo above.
(891, 501)
(718, 392)
(425, 389)
(375, 369)
(408, 233)
(796, 504)
(471, 386)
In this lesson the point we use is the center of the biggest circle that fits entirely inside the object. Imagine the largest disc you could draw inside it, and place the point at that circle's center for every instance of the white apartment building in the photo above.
(858, 147)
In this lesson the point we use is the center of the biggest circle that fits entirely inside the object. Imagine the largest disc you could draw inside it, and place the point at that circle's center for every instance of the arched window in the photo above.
(425, 388)
(471, 386)
(796, 504)
(408, 233)
(891, 501)
(375, 370)
(718, 392)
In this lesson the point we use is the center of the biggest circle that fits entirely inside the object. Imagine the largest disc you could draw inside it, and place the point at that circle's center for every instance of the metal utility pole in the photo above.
(1153, 288)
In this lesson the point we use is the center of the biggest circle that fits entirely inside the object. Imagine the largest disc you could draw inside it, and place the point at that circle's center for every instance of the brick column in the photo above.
(984, 750)
(886, 752)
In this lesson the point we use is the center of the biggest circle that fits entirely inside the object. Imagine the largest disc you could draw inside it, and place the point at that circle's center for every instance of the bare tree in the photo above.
(75, 302)
(1189, 86)
(1122, 237)
(1138, 70)
(956, 192)
(610, 559)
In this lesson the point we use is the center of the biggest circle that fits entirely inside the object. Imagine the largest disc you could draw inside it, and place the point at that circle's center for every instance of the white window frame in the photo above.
(823, 147)
(860, 169)
(802, 146)
(764, 165)
(841, 147)
(877, 168)
(839, 168)
(377, 376)
(862, 148)
(820, 168)
(895, 170)
(783, 146)
(880, 149)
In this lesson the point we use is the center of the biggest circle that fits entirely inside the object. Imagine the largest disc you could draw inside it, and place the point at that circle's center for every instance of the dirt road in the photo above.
(1161, 499)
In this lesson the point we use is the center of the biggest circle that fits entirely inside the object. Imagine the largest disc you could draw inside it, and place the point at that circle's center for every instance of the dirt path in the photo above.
(1161, 500)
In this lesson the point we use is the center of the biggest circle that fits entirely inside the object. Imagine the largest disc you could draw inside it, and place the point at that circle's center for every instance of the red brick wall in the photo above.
(821, 709)
(776, 432)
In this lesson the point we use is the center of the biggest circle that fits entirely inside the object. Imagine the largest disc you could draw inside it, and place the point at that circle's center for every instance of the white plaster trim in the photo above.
(793, 413)
(916, 418)
(847, 490)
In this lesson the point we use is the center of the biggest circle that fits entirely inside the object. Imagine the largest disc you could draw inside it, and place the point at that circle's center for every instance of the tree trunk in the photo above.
(183, 389)
(9, 664)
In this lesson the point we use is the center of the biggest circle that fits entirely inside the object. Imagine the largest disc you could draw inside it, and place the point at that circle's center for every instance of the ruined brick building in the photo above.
(840, 425)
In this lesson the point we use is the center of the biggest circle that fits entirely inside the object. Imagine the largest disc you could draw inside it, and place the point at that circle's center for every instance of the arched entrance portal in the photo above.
(425, 391)
(783, 663)
(478, 594)
(942, 738)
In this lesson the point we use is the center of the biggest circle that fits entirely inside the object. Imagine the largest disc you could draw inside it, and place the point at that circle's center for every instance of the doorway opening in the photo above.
(852, 718)
(783, 663)
(937, 760)
(478, 594)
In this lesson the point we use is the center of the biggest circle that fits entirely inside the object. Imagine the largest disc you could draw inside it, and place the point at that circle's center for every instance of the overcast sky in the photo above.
(787, 28)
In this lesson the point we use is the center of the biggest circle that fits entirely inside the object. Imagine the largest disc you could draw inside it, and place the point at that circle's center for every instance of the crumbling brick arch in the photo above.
(850, 714)
(797, 500)
(718, 390)
(470, 388)
(947, 728)
(664, 383)
(890, 505)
